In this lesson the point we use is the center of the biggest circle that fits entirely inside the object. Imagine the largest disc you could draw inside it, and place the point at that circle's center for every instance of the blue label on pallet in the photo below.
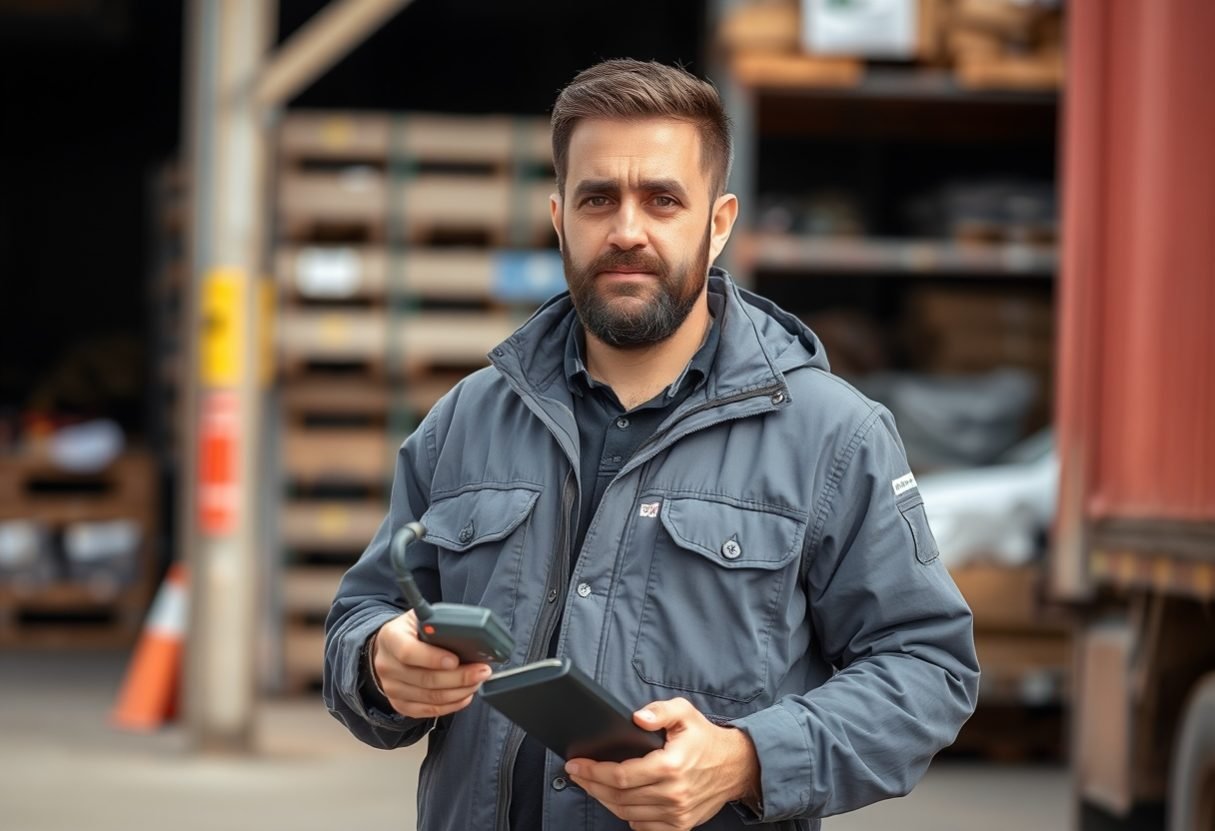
(527, 276)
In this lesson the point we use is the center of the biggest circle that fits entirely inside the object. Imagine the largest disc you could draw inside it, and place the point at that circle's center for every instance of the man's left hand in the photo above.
(701, 768)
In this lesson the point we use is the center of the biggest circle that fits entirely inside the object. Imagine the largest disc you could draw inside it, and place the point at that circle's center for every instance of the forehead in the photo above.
(636, 149)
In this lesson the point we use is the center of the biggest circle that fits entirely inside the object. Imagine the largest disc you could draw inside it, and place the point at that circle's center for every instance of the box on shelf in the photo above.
(865, 28)
(27, 556)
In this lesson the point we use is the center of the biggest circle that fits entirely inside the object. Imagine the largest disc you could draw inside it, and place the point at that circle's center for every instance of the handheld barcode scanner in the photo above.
(472, 632)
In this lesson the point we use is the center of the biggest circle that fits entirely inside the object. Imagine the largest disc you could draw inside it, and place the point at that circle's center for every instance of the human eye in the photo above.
(665, 201)
(595, 202)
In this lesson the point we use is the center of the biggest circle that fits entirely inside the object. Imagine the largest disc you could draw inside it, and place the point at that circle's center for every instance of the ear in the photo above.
(725, 212)
(554, 207)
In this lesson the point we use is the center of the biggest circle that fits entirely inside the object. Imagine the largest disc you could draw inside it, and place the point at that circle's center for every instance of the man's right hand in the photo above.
(420, 680)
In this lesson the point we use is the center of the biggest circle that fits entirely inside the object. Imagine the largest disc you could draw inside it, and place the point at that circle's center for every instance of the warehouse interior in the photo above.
(198, 432)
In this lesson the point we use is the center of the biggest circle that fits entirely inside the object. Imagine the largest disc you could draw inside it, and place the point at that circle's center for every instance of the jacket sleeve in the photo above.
(368, 597)
(887, 615)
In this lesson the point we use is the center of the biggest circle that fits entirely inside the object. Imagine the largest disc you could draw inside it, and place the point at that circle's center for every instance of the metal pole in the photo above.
(228, 40)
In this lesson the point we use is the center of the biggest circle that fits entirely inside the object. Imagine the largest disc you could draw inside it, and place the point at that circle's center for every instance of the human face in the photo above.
(638, 227)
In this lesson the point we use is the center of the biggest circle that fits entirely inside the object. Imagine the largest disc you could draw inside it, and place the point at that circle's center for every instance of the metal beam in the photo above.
(319, 44)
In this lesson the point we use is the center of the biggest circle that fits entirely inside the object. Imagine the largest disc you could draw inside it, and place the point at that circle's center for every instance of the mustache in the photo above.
(632, 260)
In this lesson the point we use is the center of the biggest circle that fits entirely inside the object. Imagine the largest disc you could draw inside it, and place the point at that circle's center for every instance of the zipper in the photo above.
(651, 447)
(550, 613)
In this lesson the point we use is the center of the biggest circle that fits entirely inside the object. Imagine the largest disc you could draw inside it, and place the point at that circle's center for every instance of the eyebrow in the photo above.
(611, 187)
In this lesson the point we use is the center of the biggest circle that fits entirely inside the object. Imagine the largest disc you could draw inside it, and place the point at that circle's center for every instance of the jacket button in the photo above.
(560, 783)
(778, 397)
(552, 596)
(466, 533)
(622, 423)
(731, 550)
(584, 590)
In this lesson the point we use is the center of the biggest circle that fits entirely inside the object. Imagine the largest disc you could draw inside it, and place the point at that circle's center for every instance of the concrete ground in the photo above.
(62, 767)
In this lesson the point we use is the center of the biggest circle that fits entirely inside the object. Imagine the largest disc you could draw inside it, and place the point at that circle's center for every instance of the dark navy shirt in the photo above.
(608, 436)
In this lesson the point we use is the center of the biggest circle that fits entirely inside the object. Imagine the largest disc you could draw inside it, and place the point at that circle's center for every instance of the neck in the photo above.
(637, 375)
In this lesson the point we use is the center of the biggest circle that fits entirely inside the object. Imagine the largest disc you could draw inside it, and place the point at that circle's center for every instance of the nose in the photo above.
(628, 227)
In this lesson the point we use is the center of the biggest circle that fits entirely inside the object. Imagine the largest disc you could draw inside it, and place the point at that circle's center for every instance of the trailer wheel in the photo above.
(1192, 777)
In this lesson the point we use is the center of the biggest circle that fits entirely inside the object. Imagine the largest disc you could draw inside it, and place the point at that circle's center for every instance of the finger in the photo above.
(415, 653)
(623, 797)
(634, 773)
(399, 638)
(414, 709)
(659, 714)
(421, 695)
(466, 676)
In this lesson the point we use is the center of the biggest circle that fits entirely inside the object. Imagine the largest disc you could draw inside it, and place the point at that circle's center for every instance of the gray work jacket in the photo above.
(765, 555)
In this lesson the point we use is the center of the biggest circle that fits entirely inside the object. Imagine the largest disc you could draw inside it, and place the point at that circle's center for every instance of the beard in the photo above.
(666, 301)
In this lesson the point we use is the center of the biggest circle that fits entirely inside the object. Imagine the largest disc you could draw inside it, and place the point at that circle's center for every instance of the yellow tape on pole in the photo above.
(222, 351)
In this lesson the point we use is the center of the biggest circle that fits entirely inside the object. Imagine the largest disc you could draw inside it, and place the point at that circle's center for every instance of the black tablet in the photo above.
(568, 712)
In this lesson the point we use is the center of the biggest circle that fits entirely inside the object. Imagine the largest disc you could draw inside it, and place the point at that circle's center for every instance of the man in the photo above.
(660, 479)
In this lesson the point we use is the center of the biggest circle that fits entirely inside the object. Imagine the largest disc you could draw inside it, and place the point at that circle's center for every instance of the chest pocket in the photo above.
(718, 575)
(480, 535)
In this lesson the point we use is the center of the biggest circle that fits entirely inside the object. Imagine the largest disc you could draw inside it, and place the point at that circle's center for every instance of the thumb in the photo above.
(659, 714)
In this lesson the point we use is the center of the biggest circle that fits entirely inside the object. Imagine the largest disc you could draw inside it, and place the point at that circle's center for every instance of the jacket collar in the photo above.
(759, 343)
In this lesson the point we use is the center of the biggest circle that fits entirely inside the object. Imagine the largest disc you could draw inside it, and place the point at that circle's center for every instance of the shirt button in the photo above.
(552, 596)
(622, 423)
(466, 533)
(560, 783)
(584, 590)
(731, 550)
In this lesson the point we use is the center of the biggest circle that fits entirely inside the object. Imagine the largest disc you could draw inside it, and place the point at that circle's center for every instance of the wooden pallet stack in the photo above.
(77, 567)
(983, 44)
(410, 246)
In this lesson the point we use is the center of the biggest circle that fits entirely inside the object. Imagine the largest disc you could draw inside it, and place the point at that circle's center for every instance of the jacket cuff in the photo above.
(356, 684)
(784, 765)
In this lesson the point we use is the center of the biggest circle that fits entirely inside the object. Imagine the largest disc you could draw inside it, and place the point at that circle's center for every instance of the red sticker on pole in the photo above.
(217, 463)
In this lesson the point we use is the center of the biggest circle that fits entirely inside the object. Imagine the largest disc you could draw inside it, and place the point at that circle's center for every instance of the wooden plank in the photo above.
(314, 455)
(1012, 72)
(795, 70)
(492, 139)
(443, 338)
(63, 597)
(494, 204)
(331, 525)
(320, 396)
(373, 273)
(337, 136)
(356, 196)
(310, 591)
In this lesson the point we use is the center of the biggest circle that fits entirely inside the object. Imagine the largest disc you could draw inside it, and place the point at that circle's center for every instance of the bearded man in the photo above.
(660, 479)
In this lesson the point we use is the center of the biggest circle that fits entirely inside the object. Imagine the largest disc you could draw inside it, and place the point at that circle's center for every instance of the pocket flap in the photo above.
(732, 536)
(477, 516)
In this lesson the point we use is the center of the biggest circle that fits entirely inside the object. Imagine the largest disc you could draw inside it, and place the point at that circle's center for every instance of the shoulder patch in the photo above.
(903, 484)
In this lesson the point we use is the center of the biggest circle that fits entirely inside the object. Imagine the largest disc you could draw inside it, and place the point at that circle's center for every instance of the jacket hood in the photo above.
(760, 342)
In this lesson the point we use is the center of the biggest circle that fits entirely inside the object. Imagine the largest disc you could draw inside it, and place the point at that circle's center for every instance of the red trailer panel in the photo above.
(1136, 394)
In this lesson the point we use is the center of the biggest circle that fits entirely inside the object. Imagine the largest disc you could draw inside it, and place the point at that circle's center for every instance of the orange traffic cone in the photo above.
(149, 692)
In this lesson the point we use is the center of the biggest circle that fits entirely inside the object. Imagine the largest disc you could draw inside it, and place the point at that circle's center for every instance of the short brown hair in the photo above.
(629, 89)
